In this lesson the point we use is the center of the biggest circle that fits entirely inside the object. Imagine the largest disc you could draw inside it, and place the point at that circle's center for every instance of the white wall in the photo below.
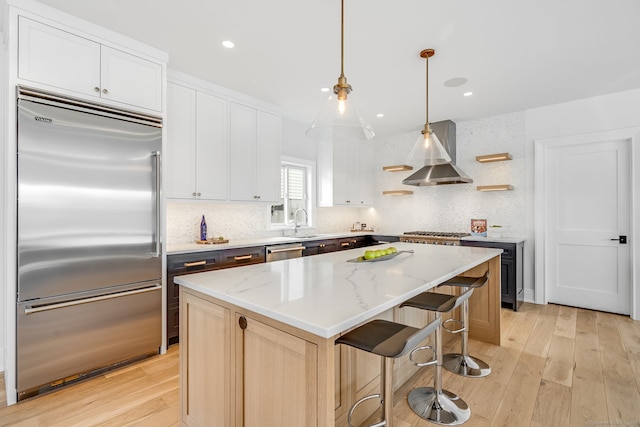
(294, 141)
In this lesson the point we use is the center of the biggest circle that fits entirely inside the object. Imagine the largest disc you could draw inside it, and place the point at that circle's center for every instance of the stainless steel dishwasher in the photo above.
(284, 251)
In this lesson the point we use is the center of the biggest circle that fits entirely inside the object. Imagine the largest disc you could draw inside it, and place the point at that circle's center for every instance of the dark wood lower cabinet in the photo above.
(196, 262)
(512, 274)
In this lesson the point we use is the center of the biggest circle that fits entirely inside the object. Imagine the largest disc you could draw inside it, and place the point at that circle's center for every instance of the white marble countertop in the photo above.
(197, 247)
(326, 295)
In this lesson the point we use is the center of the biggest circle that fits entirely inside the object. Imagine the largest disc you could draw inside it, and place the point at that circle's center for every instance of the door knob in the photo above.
(621, 239)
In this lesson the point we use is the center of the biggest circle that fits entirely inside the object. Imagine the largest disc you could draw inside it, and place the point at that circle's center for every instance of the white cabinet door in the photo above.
(180, 154)
(254, 154)
(268, 157)
(366, 185)
(211, 147)
(242, 152)
(58, 58)
(131, 80)
(345, 174)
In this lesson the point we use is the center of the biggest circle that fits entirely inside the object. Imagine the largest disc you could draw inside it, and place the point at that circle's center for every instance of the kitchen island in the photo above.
(257, 342)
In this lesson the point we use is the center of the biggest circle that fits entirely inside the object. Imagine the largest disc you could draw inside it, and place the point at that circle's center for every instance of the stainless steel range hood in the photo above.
(441, 174)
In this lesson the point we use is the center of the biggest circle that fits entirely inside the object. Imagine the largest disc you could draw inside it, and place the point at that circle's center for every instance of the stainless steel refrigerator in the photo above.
(89, 251)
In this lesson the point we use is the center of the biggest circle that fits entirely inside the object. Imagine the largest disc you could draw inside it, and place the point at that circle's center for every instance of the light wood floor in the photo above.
(557, 366)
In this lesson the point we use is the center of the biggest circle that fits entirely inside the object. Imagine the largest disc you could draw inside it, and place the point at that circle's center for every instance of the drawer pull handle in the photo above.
(195, 263)
(344, 244)
(242, 258)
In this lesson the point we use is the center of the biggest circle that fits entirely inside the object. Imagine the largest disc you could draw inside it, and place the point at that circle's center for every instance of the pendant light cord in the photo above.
(342, 40)
(426, 54)
(426, 126)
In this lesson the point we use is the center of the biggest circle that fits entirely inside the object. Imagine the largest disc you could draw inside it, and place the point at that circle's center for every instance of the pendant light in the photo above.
(428, 149)
(340, 120)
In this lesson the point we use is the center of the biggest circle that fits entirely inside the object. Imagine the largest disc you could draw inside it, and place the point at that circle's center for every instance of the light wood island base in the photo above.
(240, 368)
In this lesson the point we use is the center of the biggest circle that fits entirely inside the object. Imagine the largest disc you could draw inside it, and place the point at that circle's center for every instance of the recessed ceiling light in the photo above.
(325, 89)
(467, 94)
(379, 115)
(455, 82)
(228, 44)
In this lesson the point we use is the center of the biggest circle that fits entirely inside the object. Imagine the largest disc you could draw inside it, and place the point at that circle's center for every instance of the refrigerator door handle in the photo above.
(33, 310)
(158, 163)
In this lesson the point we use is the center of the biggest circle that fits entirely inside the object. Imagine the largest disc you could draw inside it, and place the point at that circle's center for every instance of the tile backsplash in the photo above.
(241, 221)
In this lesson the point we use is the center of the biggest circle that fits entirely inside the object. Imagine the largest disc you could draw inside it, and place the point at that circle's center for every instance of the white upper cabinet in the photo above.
(212, 147)
(254, 154)
(268, 156)
(197, 145)
(180, 150)
(345, 174)
(62, 60)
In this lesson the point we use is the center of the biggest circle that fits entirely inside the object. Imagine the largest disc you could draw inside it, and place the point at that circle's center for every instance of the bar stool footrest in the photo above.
(453, 331)
(444, 408)
(467, 366)
(355, 405)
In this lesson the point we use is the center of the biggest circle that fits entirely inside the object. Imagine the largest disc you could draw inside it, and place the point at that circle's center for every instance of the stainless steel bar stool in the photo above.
(389, 340)
(433, 403)
(462, 363)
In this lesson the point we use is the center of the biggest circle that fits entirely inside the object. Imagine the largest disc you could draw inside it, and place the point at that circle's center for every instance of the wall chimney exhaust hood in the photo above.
(447, 173)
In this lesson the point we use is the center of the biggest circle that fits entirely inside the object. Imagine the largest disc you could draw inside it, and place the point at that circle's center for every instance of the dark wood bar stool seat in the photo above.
(462, 363)
(433, 403)
(389, 340)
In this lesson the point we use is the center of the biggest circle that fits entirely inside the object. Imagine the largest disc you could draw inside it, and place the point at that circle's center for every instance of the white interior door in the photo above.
(587, 208)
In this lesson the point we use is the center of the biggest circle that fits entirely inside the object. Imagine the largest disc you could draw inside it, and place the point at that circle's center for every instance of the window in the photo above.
(295, 193)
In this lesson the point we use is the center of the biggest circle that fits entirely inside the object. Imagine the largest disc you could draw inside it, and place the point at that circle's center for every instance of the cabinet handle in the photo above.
(195, 263)
(242, 258)
(322, 245)
(199, 194)
(96, 89)
(354, 241)
(242, 321)
(344, 244)
(194, 194)
(348, 201)
(105, 91)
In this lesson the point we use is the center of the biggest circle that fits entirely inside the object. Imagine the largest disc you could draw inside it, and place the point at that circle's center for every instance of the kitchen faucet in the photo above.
(295, 219)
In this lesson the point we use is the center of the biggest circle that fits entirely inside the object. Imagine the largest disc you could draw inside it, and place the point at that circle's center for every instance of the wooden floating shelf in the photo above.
(499, 157)
(397, 168)
(397, 192)
(501, 187)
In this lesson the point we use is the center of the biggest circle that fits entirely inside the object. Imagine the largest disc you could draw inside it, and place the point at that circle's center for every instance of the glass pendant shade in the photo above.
(428, 150)
(340, 120)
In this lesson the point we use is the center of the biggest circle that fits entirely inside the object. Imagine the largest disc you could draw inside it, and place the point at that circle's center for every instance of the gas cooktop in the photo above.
(436, 234)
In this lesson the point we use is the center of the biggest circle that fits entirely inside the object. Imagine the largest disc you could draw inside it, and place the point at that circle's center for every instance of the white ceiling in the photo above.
(516, 54)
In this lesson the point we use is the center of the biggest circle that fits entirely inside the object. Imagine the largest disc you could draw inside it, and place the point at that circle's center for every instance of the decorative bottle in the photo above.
(203, 229)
